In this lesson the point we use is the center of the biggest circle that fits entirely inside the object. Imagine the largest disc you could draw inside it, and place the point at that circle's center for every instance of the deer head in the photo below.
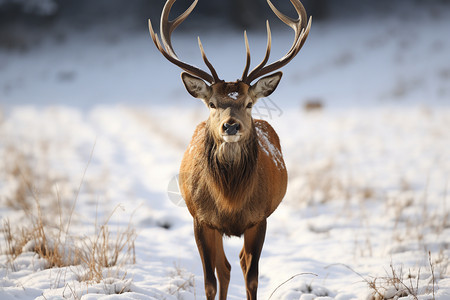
(230, 103)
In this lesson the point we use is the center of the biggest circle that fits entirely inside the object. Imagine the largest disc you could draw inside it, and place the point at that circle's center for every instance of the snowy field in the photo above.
(94, 125)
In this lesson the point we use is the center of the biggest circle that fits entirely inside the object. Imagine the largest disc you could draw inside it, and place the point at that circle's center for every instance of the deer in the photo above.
(232, 175)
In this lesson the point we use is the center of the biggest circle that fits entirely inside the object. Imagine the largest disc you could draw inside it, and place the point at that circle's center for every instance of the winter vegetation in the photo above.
(93, 125)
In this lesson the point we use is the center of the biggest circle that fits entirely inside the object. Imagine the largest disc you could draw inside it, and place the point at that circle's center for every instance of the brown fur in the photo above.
(231, 167)
(231, 196)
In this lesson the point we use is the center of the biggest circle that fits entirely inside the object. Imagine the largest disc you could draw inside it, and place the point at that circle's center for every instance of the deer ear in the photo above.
(195, 86)
(266, 85)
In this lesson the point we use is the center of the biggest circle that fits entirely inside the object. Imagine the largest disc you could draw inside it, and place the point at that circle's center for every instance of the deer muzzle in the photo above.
(231, 129)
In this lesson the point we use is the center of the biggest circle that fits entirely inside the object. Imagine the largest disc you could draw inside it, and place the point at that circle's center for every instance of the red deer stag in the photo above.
(232, 175)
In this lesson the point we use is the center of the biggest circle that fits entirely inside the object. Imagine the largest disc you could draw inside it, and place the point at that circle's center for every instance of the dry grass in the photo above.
(323, 183)
(48, 242)
(415, 220)
(13, 243)
(47, 219)
(39, 232)
(394, 285)
(103, 255)
(107, 251)
(181, 280)
(418, 221)
(397, 284)
(18, 168)
(308, 287)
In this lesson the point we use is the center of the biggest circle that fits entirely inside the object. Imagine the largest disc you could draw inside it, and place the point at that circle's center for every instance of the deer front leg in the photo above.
(223, 267)
(253, 243)
(206, 243)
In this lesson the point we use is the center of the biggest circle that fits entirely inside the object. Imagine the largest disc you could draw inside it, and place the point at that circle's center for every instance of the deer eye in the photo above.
(250, 105)
(211, 105)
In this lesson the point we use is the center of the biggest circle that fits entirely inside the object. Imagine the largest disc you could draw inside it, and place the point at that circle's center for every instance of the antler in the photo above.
(166, 29)
(301, 29)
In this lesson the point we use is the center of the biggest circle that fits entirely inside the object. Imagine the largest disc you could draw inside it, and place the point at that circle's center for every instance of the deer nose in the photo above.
(231, 129)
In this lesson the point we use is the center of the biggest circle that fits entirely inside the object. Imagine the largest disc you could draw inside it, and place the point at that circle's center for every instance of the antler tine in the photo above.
(247, 63)
(167, 26)
(265, 59)
(300, 22)
(301, 30)
(303, 36)
(173, 59)
(295, 24)
(166, 29)
(289, 56)
(207, 63)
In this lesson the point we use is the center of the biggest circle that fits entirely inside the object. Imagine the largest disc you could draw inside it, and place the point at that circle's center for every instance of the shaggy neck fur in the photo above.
(231, 167)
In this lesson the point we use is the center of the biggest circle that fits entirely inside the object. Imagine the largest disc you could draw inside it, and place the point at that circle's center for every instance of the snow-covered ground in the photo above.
(94, 127)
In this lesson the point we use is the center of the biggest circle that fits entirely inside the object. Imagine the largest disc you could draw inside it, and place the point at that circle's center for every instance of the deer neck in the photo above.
(232, 166)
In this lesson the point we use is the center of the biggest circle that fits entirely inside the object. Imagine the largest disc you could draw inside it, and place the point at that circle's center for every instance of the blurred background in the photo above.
(81, 52)
(18, 17)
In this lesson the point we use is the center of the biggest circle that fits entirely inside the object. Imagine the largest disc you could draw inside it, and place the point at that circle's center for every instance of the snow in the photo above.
(233, 95)
(100, 126)
(271, 150)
